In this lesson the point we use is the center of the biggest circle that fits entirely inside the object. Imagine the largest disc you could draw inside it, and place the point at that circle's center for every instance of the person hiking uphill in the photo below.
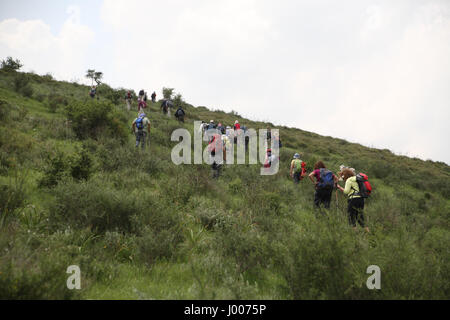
(128, 98)
(270, 159)
(141, 128)
(355, 199)
(324, 184)
(179, 114)
(298, 169)
(214, 145)
(141, 94)
(141, 105)
(93, 92)
(153, 97)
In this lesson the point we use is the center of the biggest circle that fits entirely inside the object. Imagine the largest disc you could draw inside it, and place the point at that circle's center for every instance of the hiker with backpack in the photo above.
(298, 169)
(214, 145)
(141, 128)
(93, 92)
(179, 114)
(221, 128)
(128, 99)
(270, 159)
(153, 97)
(357, 187)
(141, 105)
(211, 125)
(324, 184)
(141, 94)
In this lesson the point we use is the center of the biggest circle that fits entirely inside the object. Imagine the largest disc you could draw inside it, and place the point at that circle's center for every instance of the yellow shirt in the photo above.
(351, 188)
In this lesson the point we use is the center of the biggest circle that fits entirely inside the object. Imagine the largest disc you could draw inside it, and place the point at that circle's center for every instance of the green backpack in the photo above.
(297, 165)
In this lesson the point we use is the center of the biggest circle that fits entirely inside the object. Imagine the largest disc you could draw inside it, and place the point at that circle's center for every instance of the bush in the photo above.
(157, 245)
(10, 64)
(56, 101)
(54, 171)
(4, 110)
(22, 85)
(94, 205)
(95, 119)
(81, 165)
(12, 197)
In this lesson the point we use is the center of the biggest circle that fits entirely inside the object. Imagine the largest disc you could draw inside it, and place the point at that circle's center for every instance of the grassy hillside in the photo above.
(74, 191)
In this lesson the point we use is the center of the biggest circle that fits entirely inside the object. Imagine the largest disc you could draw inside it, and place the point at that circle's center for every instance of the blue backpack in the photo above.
(140, 123)
(326, 180)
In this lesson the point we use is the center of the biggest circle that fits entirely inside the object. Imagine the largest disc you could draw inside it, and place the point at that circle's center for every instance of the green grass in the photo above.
(141, 227)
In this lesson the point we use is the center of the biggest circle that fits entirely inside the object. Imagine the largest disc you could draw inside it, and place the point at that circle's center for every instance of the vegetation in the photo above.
(75, 191)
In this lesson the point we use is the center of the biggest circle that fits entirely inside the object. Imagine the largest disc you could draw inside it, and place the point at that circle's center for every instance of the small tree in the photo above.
(178, 100)
(10, 64)
(90, 74)
(98, 77)
(94, 76)
(167, 93)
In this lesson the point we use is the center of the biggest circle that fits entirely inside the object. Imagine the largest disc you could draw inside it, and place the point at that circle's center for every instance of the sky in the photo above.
(367, 71)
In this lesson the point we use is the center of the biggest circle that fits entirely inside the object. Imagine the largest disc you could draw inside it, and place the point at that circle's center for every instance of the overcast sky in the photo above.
(372, 72)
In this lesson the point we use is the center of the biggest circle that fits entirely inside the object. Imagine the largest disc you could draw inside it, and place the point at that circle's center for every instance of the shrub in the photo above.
(12, 197)
(54, 171)
(22, 85)
(93, 204)
(81, 165)
(56, 101)
(10, 64)
(4, 110)
(95, 119)
(155, 245)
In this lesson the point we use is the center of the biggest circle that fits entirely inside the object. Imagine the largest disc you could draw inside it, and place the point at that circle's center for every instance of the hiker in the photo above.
(341, 170)
(93, 92)
(276, 139)
(237, 126)
(179, 114)
(237, 132)
(141, 105)
(165, 106)
(141, 94)
(128, 98)
(202, 128)
(211, 125)
(141, 128)
(355, 200)
(270, 159)
(213, 147)
(153, 97)
(145, 97)
(221, 128)
(246, 137)
(324, 184)
(226, 145)
(298, 169)
(229, 132)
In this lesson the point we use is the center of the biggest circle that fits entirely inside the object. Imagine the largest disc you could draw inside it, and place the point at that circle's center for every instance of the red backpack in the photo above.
(365, 189)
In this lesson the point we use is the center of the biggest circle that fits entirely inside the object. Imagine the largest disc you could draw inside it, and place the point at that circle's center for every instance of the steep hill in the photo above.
(75, 191)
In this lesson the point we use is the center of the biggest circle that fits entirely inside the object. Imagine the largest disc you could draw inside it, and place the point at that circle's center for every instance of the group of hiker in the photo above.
(141, 99)
(357, 187)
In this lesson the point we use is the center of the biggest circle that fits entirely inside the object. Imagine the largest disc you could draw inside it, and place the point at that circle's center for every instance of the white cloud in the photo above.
(34, 43)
